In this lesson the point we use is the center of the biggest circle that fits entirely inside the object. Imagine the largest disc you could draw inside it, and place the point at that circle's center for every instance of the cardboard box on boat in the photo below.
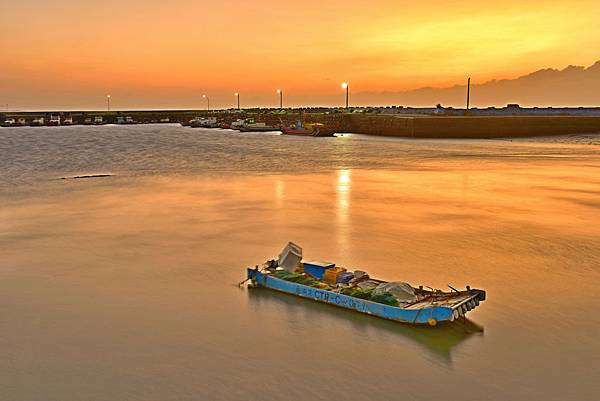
(331, 276)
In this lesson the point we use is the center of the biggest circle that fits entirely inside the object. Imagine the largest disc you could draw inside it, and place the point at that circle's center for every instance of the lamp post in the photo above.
(237, 95)
(108, 102)
(280, 98)
(346, 86)
(207, 102)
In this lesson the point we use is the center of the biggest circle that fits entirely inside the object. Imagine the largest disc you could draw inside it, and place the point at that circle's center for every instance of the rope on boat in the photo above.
(452, 288)
(241, 283)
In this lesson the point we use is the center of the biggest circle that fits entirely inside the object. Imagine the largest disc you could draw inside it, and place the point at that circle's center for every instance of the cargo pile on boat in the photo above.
(356, 284)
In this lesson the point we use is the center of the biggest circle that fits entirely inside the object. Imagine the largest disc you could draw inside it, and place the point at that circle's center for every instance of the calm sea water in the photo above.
(125, 287)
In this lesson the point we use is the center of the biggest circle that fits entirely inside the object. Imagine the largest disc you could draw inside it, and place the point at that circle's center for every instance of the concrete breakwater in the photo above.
(470, 126)
(401, 125)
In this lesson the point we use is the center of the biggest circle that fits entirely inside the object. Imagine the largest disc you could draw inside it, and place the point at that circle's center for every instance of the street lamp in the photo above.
(237, 95)
(108, 102)
(280, 98)
(207, 102)
(346, 86)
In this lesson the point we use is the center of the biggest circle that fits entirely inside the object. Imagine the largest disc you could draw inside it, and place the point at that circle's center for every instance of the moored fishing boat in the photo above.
(316, 129)
(398, 301)
(9, 122)
(200, 122)
(37, 122)
(54, 120)
(237, 124)
(251, 126)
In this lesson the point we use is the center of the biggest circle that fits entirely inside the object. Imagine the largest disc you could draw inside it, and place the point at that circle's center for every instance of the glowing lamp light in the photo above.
(345, 85)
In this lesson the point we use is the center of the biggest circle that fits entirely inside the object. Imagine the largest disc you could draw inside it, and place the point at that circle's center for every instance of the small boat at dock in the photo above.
(54, 120)
(199, 122)
(237, 124)
(67, 120)
(9, 122)
(251, 126)
(315, 129)
(37, 122)
(121, 120)
(397, 301)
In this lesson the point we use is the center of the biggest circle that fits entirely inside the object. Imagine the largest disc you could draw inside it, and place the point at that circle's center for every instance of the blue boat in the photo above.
(424, 307)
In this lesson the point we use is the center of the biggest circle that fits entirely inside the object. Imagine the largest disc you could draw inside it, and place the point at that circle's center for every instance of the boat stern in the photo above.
(475, 296)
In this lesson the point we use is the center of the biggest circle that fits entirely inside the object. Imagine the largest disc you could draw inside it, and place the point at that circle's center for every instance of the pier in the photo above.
(399, 122)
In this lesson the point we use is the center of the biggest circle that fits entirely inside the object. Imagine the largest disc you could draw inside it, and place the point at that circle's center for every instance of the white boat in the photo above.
(200, 122)
(67, 121)
(21, 122)
(257, 127)
(9, 122)
(54, 120)
(37, 122)
(98, 120)
(237, 124)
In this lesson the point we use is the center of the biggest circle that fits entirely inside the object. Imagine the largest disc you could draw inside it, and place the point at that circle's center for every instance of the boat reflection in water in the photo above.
(302, 313)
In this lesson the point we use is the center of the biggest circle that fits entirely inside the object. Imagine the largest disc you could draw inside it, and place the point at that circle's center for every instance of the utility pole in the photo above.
(468, 92)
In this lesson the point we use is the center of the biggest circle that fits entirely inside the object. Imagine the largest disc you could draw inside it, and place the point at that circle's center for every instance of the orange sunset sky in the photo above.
(68, 54)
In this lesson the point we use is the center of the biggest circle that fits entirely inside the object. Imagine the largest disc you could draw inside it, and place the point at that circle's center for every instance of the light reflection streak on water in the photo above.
(343, 191)
(279, 193)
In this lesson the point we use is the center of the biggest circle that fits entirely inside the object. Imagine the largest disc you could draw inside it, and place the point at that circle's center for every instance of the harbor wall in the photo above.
(470, 126)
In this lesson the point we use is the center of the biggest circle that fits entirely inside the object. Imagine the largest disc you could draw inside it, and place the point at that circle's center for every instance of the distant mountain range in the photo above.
(572, 86)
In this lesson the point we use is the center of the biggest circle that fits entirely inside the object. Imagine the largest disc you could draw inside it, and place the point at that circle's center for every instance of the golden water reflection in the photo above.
(132, 282)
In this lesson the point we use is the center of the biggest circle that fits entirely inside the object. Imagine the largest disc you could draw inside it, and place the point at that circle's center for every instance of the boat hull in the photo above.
(258, 129)
(429, 315)
(319, 132)
(298, 132)
(324, 132)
